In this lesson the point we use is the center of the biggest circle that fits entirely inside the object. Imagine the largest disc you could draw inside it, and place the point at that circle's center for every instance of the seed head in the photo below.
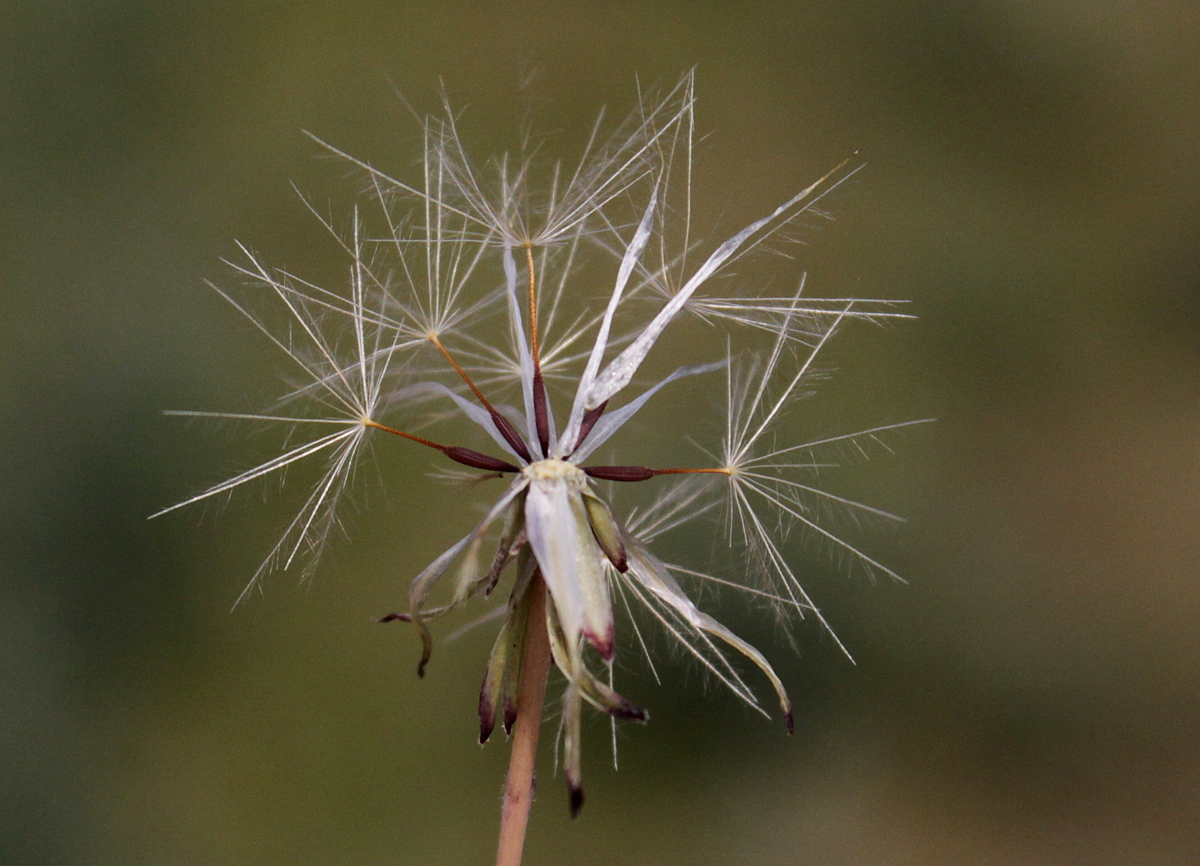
(477, 291)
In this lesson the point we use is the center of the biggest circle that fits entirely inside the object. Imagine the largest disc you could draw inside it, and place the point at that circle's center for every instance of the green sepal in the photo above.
(606, 530)
(503, 677)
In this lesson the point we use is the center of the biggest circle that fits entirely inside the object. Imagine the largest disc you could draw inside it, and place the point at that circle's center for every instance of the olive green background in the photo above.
(1032, 696)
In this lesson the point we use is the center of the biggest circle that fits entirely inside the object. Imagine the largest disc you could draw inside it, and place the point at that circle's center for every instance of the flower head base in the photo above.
(419, 327)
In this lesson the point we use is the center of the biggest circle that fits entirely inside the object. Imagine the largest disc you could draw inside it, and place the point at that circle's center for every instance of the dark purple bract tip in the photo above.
(487, 719)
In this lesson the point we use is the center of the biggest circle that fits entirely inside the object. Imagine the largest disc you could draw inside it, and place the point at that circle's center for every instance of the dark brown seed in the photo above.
(541, 414)
(588, 422)
(475, 460)
(510, 434)
(620, 473)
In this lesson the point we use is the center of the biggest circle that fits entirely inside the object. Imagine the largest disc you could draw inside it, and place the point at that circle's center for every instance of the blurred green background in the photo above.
(1031, 697)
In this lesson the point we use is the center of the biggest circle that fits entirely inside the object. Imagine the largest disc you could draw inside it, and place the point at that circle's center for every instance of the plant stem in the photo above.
(531, 698)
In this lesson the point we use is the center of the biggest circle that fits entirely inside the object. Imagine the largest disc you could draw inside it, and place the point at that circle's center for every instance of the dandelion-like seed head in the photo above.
(469, 298)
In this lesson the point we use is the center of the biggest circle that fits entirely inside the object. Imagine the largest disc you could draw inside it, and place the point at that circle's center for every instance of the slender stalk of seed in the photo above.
(531, 697)
(433, 338)
(505, 426)
(409, 436)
